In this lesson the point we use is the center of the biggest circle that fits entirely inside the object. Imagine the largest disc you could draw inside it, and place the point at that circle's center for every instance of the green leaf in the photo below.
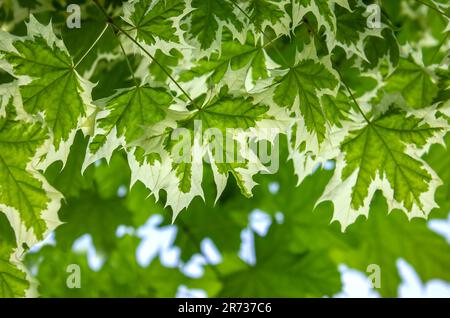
(201, 89)
(55, 89)
(234, 56)
(414, 83)
(376, 48)
(440, 5)
(379, 239)
(68, 178)
(155, 19)
(13, 282)
(306, 223)
(183, 171)
(378, 156)
(225, 112)
(129, 112)
(263, 13)
(350, 25)
(78, 40)
(203, 21)
(154, 280)
(280, 273)
(20, 187)
(353, 27)
(337, 108)
(439, 159)
(382, 242)
(322, 11)
(444, 86)
(359, 82)
(168, 60)
(301, 84)
(112, 76)
(221, 222)
(110, 213)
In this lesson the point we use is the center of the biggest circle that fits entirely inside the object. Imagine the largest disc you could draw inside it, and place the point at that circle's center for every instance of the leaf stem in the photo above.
(434, 8)
(280, 54)
(439, 47)
(353, 98)
(118, 28)
(126, 59)
(92, 46)
(156, 62)
(260, 30)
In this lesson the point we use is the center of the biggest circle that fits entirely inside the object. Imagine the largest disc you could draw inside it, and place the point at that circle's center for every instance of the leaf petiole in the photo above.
(92, 46)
